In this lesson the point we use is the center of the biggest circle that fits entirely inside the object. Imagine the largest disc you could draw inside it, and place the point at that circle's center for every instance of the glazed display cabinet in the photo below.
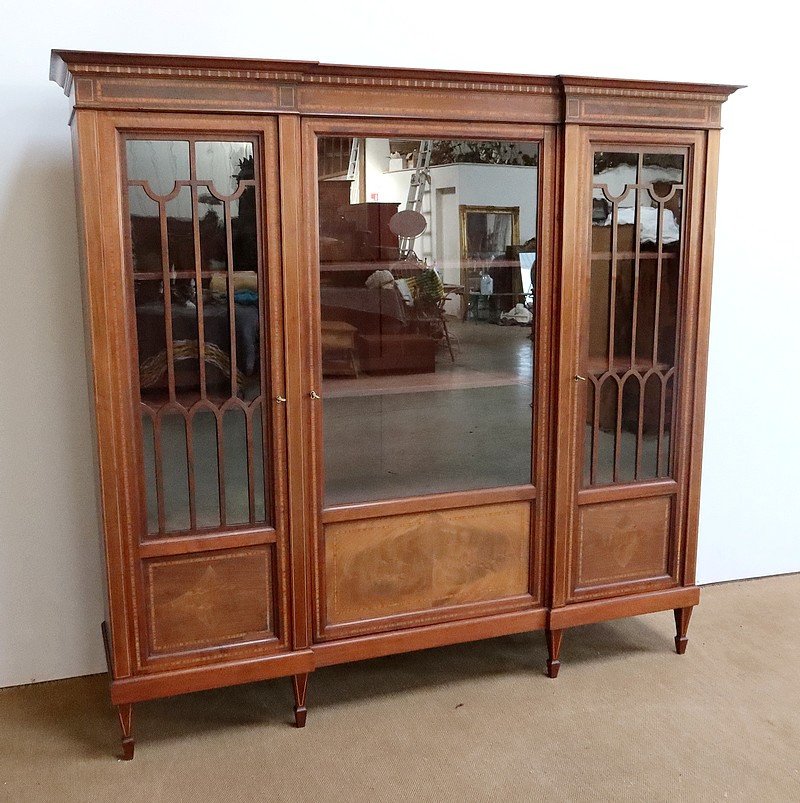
(383, 360)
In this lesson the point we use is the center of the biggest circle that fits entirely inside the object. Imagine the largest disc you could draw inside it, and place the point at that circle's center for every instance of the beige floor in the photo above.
(627, 720)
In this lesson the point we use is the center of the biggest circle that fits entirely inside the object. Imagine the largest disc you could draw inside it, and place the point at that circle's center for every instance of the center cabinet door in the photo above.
(427, 315)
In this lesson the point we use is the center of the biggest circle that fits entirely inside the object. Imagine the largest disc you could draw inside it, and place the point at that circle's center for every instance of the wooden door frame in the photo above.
(311, 376)
(111, 317)
(692, 340)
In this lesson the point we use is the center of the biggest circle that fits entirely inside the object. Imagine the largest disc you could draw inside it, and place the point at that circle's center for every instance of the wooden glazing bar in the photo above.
(598, 255)
(639, 429)
(178, 274)
(198, 279)
(615, 493)
(231, 299)
(206, 542)
(637, 254)
(612, 293)
(612, 314)
(659, 266)
(418, 504)
(595, 428)
(194, 182)
(167, 296)
(635, 304)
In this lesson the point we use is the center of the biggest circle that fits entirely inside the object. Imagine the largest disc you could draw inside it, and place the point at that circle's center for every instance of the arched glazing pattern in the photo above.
(629, 358)
(195, 258)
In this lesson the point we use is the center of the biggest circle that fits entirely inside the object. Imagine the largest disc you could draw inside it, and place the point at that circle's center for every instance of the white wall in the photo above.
(50, 564)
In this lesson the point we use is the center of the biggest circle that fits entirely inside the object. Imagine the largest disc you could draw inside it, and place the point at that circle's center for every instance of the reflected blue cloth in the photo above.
(245, 297)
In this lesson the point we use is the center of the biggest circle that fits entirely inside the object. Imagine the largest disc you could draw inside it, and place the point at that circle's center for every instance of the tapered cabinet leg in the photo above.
(300, 684)
(682, 616)
(125, 714)
(554, 649)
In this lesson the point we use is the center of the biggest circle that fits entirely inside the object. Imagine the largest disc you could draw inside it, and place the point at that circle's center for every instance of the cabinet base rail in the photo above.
(299, 664)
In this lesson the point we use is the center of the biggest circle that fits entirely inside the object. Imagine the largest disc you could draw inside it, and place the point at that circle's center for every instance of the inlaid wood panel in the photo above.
(210, 599)
(423, 561)
(622, 541)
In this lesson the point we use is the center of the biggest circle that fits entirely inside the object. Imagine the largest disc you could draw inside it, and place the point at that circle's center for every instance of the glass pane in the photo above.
(650, 427)
(235, 454)
(258, 463)
(607, 430)
(174, 472)
(198, 324)
(633, 312)
(145, 231)
(159, 162)
(151, 494)
(224, 164)
(427, 274)
(204, 440)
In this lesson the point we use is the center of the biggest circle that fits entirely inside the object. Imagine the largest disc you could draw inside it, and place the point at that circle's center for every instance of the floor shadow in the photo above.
(78, 709)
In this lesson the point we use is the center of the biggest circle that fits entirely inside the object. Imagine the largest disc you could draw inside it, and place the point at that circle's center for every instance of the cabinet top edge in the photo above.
(65, 64)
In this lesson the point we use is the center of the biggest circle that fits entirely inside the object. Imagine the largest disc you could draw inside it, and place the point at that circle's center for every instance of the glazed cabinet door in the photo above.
(428, 381)
(207, 578)
(631, 284)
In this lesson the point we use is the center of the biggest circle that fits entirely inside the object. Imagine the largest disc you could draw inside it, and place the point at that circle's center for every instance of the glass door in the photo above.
(203, 263)
(628, 378)
(427, 280)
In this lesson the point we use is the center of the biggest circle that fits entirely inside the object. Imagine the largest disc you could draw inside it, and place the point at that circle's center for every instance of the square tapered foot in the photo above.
(127, 749)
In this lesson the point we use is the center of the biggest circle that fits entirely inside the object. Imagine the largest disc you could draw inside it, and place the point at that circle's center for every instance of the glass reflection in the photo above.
(633, 315)
(195, 258)
(427, 274)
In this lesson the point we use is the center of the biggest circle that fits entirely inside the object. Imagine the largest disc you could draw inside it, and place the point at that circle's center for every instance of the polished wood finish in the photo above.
(209, 599)
(418, 562)
(620, 542)
(682, 616)
(553, 651)
(300, 686)
(313, 585)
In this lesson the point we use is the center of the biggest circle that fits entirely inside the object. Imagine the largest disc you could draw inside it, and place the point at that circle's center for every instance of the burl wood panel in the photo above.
(209, 599)
(620, 541)
(423, 561)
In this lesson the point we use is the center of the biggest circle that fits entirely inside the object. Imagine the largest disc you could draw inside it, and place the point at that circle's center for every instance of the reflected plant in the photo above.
(496, 152)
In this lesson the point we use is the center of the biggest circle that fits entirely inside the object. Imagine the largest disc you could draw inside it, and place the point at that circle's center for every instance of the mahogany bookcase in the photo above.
(265, 513)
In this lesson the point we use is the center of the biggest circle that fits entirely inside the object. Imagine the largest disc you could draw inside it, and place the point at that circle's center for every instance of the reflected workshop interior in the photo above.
(427, 277)
(427, 259)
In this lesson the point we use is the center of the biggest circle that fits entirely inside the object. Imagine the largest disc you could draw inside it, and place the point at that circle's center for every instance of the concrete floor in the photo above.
(395, 436)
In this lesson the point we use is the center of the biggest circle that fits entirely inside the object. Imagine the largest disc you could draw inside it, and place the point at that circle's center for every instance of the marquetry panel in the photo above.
(673, 112)
(622, 541)
(423, 561)
(210, 599)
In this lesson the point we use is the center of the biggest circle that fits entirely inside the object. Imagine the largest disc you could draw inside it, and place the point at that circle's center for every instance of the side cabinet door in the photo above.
(626, 367)
(200, 283)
